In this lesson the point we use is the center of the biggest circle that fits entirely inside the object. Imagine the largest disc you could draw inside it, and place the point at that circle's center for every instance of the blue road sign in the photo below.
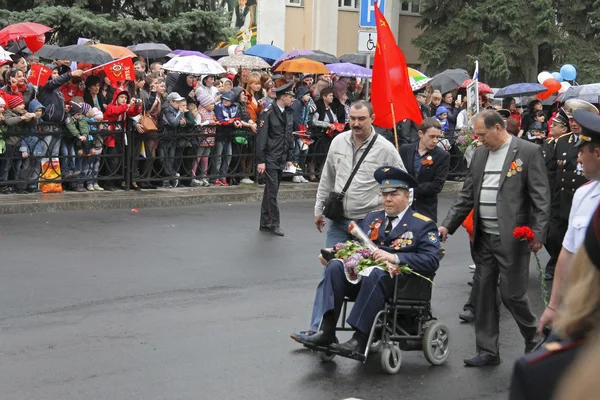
(367, 12)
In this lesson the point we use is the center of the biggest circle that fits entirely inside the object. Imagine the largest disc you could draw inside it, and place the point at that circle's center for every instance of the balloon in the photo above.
(544, 95)
(557, 76)
(543, 76)
(552, 84)
(568, 72)
(564, 87)
(34, 43)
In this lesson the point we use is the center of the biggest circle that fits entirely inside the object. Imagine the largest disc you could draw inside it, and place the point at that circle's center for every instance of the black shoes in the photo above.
(274, 230)
(467, 316)
(482, 360)
(319, 339)
(352, 346)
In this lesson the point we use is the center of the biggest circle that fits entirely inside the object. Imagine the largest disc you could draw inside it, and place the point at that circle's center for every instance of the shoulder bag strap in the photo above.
(357, 166)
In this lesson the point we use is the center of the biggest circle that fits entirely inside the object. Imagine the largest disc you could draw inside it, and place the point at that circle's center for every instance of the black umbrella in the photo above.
(19, 47)
(79, 53)
(356, 58)
(150, 50)
(219, 53)
(46, 51)
(449, 80)
(322, 57)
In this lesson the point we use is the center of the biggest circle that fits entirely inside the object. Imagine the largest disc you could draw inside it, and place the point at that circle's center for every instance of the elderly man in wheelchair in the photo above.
(404, 237)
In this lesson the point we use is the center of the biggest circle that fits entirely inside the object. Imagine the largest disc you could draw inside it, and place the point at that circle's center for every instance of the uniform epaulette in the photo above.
(552, 348)
(421, 217)
(549, 140)
(562, 136)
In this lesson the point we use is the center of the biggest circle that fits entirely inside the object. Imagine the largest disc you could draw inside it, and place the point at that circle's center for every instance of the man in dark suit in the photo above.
(507, 186)
(428, 164)
(403, 237)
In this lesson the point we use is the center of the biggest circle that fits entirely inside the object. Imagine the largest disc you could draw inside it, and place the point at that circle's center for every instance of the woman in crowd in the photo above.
(92, 94)
(18, 85)
(323, 122)
(436, 100)
(529, 117)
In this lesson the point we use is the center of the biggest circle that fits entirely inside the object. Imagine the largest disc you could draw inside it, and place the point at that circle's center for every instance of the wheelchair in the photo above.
(404, 324)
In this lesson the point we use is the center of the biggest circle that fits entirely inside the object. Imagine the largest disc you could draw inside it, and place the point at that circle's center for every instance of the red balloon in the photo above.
(544, 95)
(34, 43)
(552, 84)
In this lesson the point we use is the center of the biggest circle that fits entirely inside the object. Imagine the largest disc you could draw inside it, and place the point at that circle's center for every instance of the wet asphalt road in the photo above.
(195, 303)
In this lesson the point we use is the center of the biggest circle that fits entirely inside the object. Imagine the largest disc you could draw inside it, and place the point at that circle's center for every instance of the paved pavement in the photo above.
(195, 303)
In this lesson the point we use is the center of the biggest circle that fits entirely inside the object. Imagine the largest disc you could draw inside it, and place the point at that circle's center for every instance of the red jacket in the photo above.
(115, 112)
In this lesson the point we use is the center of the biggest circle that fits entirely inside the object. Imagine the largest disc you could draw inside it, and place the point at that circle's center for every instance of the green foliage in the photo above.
(135, 22)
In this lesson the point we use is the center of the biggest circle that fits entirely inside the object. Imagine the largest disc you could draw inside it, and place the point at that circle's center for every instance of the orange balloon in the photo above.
(544, 95)
(552, 84)
(34, 43)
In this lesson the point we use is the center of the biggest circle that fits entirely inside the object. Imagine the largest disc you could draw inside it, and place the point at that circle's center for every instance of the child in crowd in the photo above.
(92, 147)
(227, 113)
(538, 129)
(206, 120)
(80, 129)
(33, 148)
(441, 114)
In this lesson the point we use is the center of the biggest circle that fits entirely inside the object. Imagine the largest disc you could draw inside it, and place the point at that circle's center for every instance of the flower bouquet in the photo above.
(358, 261)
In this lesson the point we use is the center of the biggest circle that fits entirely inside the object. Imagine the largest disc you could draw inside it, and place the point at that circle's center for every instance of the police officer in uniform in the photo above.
(403, 237)
(569, 177)
(274, 151)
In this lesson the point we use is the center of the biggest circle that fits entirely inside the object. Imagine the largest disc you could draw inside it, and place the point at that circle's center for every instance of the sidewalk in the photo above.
(93, 201)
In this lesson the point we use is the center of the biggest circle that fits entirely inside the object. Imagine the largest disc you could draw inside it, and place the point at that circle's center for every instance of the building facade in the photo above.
(332, 25)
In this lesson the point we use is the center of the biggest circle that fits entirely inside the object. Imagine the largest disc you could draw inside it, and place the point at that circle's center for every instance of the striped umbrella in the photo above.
(416, 75)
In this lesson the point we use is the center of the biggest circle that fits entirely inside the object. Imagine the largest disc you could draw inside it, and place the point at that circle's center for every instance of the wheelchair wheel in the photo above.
(326, 356)
(391, 358)
(436, 343)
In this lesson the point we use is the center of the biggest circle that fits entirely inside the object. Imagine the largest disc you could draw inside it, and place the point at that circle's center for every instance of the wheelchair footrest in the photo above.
(328, 350)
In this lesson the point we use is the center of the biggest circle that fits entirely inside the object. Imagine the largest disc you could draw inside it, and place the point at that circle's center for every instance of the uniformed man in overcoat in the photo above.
(275, 151)
(569, 177)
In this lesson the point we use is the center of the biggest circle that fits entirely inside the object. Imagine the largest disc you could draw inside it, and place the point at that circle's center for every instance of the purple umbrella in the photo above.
(349, 69)
(180, 52)
(291, 54)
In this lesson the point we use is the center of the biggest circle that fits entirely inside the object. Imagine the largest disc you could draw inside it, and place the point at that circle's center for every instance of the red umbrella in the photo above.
(21, 31)
(483, 88)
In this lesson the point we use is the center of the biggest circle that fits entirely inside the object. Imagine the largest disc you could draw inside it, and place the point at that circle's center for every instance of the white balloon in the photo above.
(564, 87)
(543, 76)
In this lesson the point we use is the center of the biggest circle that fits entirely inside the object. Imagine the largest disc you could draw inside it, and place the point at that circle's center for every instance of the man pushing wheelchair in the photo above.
(403, 237)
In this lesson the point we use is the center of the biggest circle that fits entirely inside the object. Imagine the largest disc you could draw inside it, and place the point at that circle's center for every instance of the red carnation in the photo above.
(523, 233)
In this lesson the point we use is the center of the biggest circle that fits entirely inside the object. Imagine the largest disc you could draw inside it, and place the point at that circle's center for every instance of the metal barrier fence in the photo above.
(112, 157)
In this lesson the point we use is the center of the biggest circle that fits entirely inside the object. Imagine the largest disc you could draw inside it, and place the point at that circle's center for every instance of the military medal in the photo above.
(519, 165)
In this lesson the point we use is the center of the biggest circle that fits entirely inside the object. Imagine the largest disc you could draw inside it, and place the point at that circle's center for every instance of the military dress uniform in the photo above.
(274, 147)
(411, 236)
(567, 175)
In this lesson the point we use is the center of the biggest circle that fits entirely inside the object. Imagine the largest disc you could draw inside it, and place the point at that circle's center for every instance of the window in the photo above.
(298, 3)
(349, 4)
(411, 7)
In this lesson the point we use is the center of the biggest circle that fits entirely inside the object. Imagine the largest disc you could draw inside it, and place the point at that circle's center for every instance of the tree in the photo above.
(124, 22)
(506, 36)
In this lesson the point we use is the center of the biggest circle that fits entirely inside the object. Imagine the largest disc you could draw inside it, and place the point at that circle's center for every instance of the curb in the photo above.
(182, 197)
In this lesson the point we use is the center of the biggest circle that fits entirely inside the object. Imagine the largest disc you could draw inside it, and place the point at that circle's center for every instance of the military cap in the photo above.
(504, 113)
(285, 89)
(592, 239)
(590, 127)
(561, 117)
(575, 104)
(420, 92)
(391, 179)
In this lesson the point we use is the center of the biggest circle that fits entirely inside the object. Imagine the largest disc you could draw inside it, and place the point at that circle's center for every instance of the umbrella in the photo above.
(179, 52)
(195, 65)
(5, 55)
(483, 88)
(291, 54)
(356, 58)
(589, 93)
(302, 65)
(267, 52)
(150, 50)
(416, 75)
(349, 69)
(449, 80)
(114, 51)
(21, 31)
(77, 52)
(416, 85)
(322, 57)
(521, 89)
(243, 61)
(218, 53)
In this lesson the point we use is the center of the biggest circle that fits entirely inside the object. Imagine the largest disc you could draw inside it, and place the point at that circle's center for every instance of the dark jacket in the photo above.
(169, 118)
(87, 98)
(431, 178)
(274, 139)
(301, 109)
(52, 98)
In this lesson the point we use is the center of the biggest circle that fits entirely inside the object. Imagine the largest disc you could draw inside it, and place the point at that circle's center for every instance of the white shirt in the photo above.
(394, 225)
(585, 202)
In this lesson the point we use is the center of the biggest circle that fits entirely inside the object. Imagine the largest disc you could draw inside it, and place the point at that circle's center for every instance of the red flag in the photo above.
(39, 75)
(391, 85)
(120, 70)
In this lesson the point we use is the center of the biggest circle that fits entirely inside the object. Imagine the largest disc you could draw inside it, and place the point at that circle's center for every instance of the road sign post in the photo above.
(367, 12)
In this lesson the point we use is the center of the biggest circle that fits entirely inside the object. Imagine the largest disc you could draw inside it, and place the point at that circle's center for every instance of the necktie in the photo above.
(388, 228)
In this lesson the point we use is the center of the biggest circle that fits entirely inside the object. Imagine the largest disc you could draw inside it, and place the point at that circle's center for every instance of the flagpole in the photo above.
(100, 66)
(394, 123)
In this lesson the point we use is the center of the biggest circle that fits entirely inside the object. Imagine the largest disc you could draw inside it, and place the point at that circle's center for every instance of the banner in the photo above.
(39, 75)
(120, 70)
